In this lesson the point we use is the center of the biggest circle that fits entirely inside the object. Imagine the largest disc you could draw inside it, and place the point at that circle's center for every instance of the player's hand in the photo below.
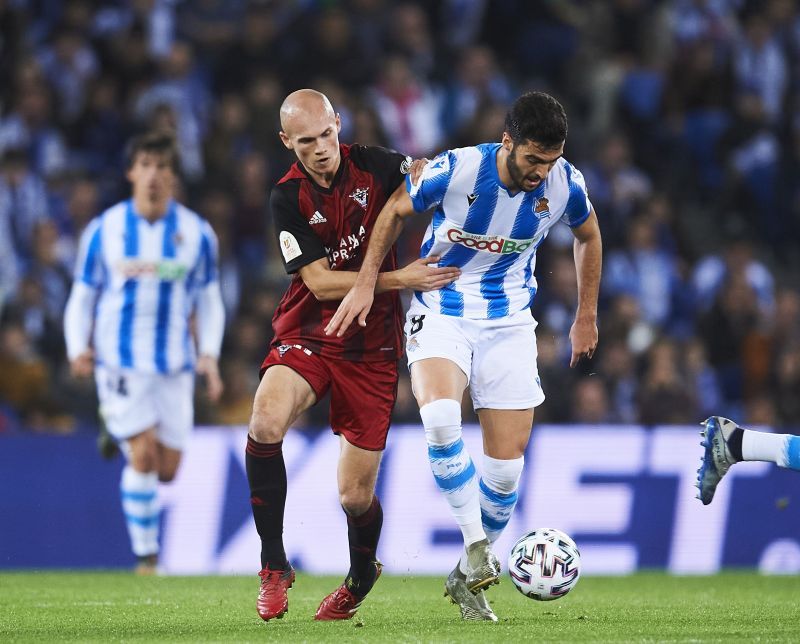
(356, 304)
(207, 366)
(83, 365)
(418, 276)
(583, 336)
(415, 170)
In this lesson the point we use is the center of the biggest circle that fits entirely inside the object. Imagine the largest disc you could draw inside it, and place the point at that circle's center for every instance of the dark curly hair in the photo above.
(537, 117)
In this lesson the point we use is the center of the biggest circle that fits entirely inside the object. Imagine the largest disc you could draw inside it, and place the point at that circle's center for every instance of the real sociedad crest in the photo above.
(542, 208)
(360, 195)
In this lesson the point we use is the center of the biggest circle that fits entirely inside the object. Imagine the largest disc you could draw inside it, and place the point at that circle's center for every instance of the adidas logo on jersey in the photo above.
(317, 218)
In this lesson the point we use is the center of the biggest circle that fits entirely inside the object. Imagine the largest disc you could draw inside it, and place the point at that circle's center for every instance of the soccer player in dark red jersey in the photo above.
(323, 210)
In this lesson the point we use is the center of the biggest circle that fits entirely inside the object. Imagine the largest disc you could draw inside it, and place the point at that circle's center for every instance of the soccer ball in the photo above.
(544, 564)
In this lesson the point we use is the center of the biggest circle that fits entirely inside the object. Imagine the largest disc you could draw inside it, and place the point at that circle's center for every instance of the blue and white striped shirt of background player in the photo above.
(137, 285)
(489, 234)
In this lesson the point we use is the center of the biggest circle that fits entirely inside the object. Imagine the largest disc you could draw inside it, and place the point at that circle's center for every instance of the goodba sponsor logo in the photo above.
(489, 243)
(168, 270)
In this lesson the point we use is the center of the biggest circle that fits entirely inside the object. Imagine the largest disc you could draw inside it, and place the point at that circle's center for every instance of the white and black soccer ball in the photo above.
(544, 564)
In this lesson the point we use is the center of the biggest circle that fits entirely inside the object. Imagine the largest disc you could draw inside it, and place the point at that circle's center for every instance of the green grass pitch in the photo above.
(51, 606)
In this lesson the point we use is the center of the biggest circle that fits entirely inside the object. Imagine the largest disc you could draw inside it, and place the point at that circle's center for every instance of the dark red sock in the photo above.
(363, 533)
(266, 473)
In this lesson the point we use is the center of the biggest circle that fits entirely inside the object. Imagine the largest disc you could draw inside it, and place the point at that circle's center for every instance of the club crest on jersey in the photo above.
(405, 166)
(283, 348)
(542, 208)
(360, 196)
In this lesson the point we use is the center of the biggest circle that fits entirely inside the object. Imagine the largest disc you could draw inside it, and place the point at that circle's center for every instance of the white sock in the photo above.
(783, 449)
(139, 491)
(498, 497)
(498, 493)
(452, 466)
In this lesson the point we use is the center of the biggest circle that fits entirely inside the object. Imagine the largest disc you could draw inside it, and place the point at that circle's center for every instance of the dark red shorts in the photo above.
(362, 393)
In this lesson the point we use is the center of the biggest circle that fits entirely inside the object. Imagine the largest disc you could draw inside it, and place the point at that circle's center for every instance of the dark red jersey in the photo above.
(312, 222)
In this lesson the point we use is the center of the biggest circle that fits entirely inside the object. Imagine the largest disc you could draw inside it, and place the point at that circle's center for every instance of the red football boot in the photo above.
(273, 600)
(341, 603)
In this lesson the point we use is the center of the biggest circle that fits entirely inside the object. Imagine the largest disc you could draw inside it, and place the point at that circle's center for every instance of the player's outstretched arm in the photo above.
(588, 251)
(358, 301)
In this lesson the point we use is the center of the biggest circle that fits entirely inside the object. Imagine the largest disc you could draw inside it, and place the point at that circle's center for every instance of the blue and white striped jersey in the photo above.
(489, 234)
(148, 278)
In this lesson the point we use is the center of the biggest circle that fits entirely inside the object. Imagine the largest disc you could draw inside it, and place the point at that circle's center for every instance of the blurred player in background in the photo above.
(725, 443)
(323, 210)
(494, 204)
(146, 267)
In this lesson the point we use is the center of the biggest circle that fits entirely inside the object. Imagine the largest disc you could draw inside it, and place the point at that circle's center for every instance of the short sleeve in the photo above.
(388, 167)
(432, 186)
(209, 255)
(298, 243)
(89, 265)
(578, 204)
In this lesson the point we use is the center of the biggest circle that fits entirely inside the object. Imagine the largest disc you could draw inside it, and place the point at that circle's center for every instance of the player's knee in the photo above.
(143, 460)
(442, 421)
(266, 427)
(356, 501)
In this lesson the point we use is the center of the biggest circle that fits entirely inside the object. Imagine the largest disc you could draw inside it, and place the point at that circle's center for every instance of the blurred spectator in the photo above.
(617, 365)
(787, 384)
(664, 396)
(23, 201)
(254, 53)
(333, 52)
(555, 304)
(100, 132)
(155, 19)
(30, 128)
(69, 64)
(702, 379)
(229, 139)
(734, 316)
(760, 64)
(478, 82)
(241, 381)
(410, 38)
(211, 24)
(590, 403)
(687, 126)
(616, 186)
(409, 109)
(557, 382)
(645, 272)
(737, 256)
(183, 91)
(24, 380)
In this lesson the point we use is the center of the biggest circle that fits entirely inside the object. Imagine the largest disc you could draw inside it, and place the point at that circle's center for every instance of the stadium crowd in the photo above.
(684, 117)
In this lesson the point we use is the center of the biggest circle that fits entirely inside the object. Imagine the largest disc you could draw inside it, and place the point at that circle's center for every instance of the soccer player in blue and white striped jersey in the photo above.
(493, 205)
(145, 268)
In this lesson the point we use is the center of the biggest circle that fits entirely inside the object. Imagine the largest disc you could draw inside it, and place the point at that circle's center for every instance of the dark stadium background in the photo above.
(684, 118)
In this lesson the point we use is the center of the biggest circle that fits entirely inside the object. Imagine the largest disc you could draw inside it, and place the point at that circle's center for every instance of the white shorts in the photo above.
(498, 356)
(131, 402)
